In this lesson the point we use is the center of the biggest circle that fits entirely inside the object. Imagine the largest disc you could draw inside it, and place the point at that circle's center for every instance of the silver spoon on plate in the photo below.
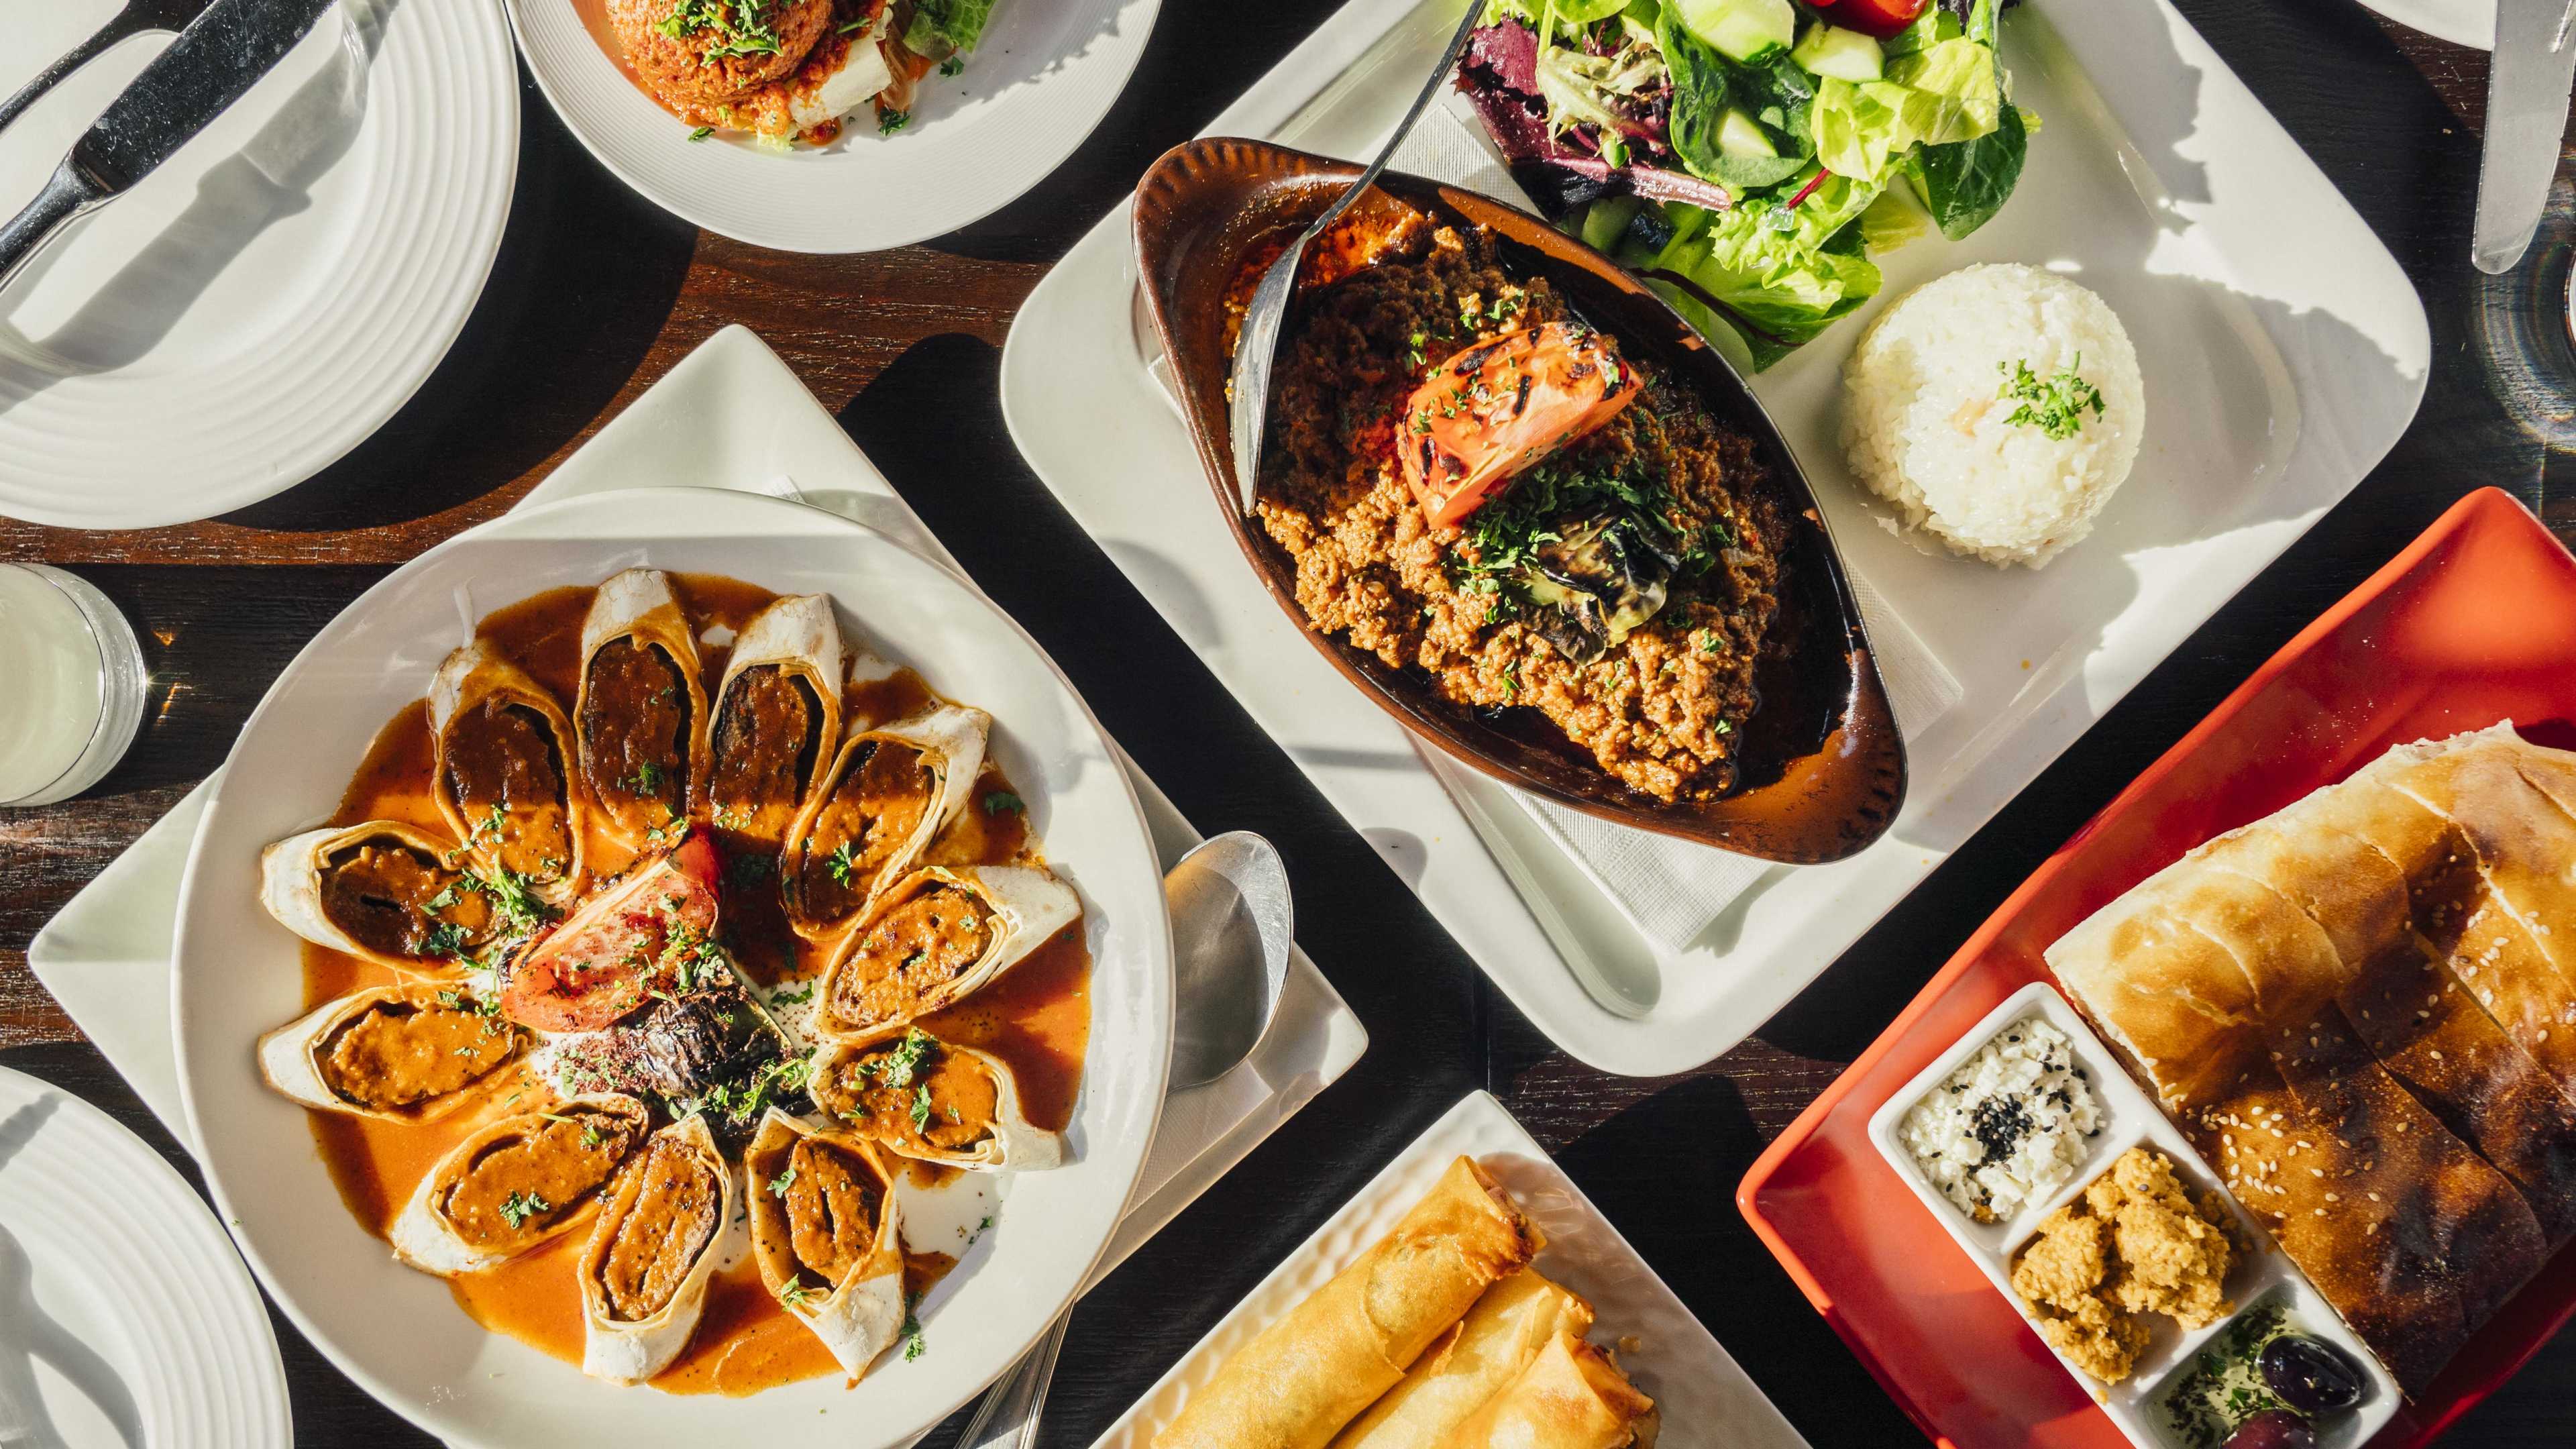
(1231, 934)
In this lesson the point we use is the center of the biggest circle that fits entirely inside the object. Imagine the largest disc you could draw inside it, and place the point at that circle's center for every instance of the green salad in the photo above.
(1749, 157)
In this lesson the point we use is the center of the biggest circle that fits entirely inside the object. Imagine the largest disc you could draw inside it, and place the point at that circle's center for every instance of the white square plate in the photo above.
(2284, 352)
(1704, 1397)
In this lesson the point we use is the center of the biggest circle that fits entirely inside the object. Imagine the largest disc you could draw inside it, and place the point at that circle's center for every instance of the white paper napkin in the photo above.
(1672, 890)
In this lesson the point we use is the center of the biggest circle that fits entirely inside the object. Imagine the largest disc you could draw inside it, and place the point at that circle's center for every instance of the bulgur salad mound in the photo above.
(1475, 484)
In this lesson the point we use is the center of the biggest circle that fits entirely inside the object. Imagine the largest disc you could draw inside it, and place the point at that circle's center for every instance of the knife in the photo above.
(218, 57)
(2528, 83)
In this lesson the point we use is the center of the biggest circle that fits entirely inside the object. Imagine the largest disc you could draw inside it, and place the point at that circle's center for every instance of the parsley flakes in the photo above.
(2055, 404)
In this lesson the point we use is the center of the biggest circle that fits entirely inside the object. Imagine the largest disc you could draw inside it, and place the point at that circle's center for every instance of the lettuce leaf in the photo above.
(1962, 73)
(1940, 96)
(942, 28)
(1773, 270)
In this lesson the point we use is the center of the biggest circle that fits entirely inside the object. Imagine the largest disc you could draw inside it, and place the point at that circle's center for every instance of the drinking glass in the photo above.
(71, 685)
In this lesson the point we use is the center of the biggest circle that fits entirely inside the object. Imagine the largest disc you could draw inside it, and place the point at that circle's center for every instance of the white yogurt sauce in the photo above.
(2010, 1126)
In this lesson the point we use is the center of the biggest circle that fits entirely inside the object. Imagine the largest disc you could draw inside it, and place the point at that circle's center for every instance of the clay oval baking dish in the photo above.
(1823, 767)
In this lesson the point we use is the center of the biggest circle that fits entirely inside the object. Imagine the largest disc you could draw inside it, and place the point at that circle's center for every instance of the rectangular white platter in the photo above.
(1704, 1397)
(2129, 1119)
(2283, 351)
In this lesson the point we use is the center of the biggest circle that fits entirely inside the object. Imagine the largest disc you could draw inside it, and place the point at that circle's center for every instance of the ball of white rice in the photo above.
(1926, 425)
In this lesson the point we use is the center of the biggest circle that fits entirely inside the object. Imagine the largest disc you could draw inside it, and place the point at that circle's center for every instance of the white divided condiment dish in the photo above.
(2129, 1119)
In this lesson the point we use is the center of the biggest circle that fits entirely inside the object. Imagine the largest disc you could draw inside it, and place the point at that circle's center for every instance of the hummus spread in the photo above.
(2135, 1243)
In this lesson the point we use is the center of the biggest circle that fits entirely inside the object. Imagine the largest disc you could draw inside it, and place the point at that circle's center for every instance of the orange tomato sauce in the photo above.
(1036, 1017)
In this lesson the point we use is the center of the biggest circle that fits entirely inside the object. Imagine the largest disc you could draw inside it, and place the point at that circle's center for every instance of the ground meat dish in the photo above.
(502, 757)
(722, 49)
(833, 1205)
(1658, 703)
(764, 745)
(635, 732)
(401, 901)
(676, 1208)
(912, 951)
(402, 1054)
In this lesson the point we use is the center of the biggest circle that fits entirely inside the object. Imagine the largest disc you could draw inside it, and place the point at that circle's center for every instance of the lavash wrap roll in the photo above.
(1506, 1330)
(1570, 1397)
(1305, 1376)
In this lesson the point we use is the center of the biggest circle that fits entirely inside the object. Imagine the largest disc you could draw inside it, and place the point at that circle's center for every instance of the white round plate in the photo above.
(398, 1332)
(272, 293)
(125, 1315)
(2462, 22)
(1044, 75)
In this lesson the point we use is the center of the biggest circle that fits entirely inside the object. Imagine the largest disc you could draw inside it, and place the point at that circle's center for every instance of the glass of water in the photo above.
(71, 685)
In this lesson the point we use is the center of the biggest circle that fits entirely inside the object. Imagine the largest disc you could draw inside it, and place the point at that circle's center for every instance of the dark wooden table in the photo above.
(596, 294)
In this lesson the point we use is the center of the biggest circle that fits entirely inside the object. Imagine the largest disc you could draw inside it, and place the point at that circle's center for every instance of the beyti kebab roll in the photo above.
(1306, 1376)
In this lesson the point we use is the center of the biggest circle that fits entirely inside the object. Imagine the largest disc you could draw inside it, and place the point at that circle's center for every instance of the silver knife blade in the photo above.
(2528, 85)
(213, 63)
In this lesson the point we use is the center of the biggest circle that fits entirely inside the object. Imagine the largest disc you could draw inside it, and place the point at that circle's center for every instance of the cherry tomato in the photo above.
(1501, 406)
(1881, 18)
(596, 967)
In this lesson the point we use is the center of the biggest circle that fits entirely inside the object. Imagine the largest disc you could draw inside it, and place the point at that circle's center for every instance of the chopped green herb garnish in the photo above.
(889, 122)
(842, 864)
(778, 1185)
(900, 1064)
(734, 28)
(517, 1208)
(954, 65)
(921, 1108)
(2055, 404)
(997, 801)
(702, 133)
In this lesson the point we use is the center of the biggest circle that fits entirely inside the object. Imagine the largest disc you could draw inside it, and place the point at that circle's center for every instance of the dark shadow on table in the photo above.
(1681, 1219)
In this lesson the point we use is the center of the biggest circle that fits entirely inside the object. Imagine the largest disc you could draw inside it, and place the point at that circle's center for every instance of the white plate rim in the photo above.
(492, 81)
(1126, 1155)
(248, 1405)
(572, 71)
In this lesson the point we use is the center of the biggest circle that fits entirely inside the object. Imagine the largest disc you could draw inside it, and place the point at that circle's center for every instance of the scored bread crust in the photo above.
(2363, 1010)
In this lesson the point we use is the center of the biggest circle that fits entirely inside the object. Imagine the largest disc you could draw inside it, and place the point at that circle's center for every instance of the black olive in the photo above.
(1650, 228)
(2312, 1375)
(2273, 1429)
(1555, 189)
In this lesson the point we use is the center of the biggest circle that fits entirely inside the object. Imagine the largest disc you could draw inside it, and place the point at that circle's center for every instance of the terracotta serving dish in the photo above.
(1822, 770)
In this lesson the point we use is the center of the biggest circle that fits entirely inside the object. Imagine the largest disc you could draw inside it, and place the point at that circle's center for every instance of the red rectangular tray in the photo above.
(2474, 623)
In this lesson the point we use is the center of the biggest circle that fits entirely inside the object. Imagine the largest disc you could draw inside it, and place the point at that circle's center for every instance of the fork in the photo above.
(139, 17)
(1248, 391)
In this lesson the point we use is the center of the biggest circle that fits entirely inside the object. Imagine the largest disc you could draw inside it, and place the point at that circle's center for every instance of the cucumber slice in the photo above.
(1751, 31)
(1606, 219)
(1844, 55)
(1739, 135)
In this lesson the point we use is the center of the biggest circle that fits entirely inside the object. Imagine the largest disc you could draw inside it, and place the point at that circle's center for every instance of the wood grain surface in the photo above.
(597, 293)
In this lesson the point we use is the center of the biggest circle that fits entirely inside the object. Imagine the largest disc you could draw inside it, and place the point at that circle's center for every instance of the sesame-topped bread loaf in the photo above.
(2363, 1011)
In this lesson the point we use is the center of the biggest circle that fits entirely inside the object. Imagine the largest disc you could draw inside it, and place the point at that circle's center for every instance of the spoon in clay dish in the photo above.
(1248, 390)
(1231, 935)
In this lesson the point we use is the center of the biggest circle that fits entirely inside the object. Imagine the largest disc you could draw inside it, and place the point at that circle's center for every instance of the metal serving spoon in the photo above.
(1231, 920)
(1248, 391)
